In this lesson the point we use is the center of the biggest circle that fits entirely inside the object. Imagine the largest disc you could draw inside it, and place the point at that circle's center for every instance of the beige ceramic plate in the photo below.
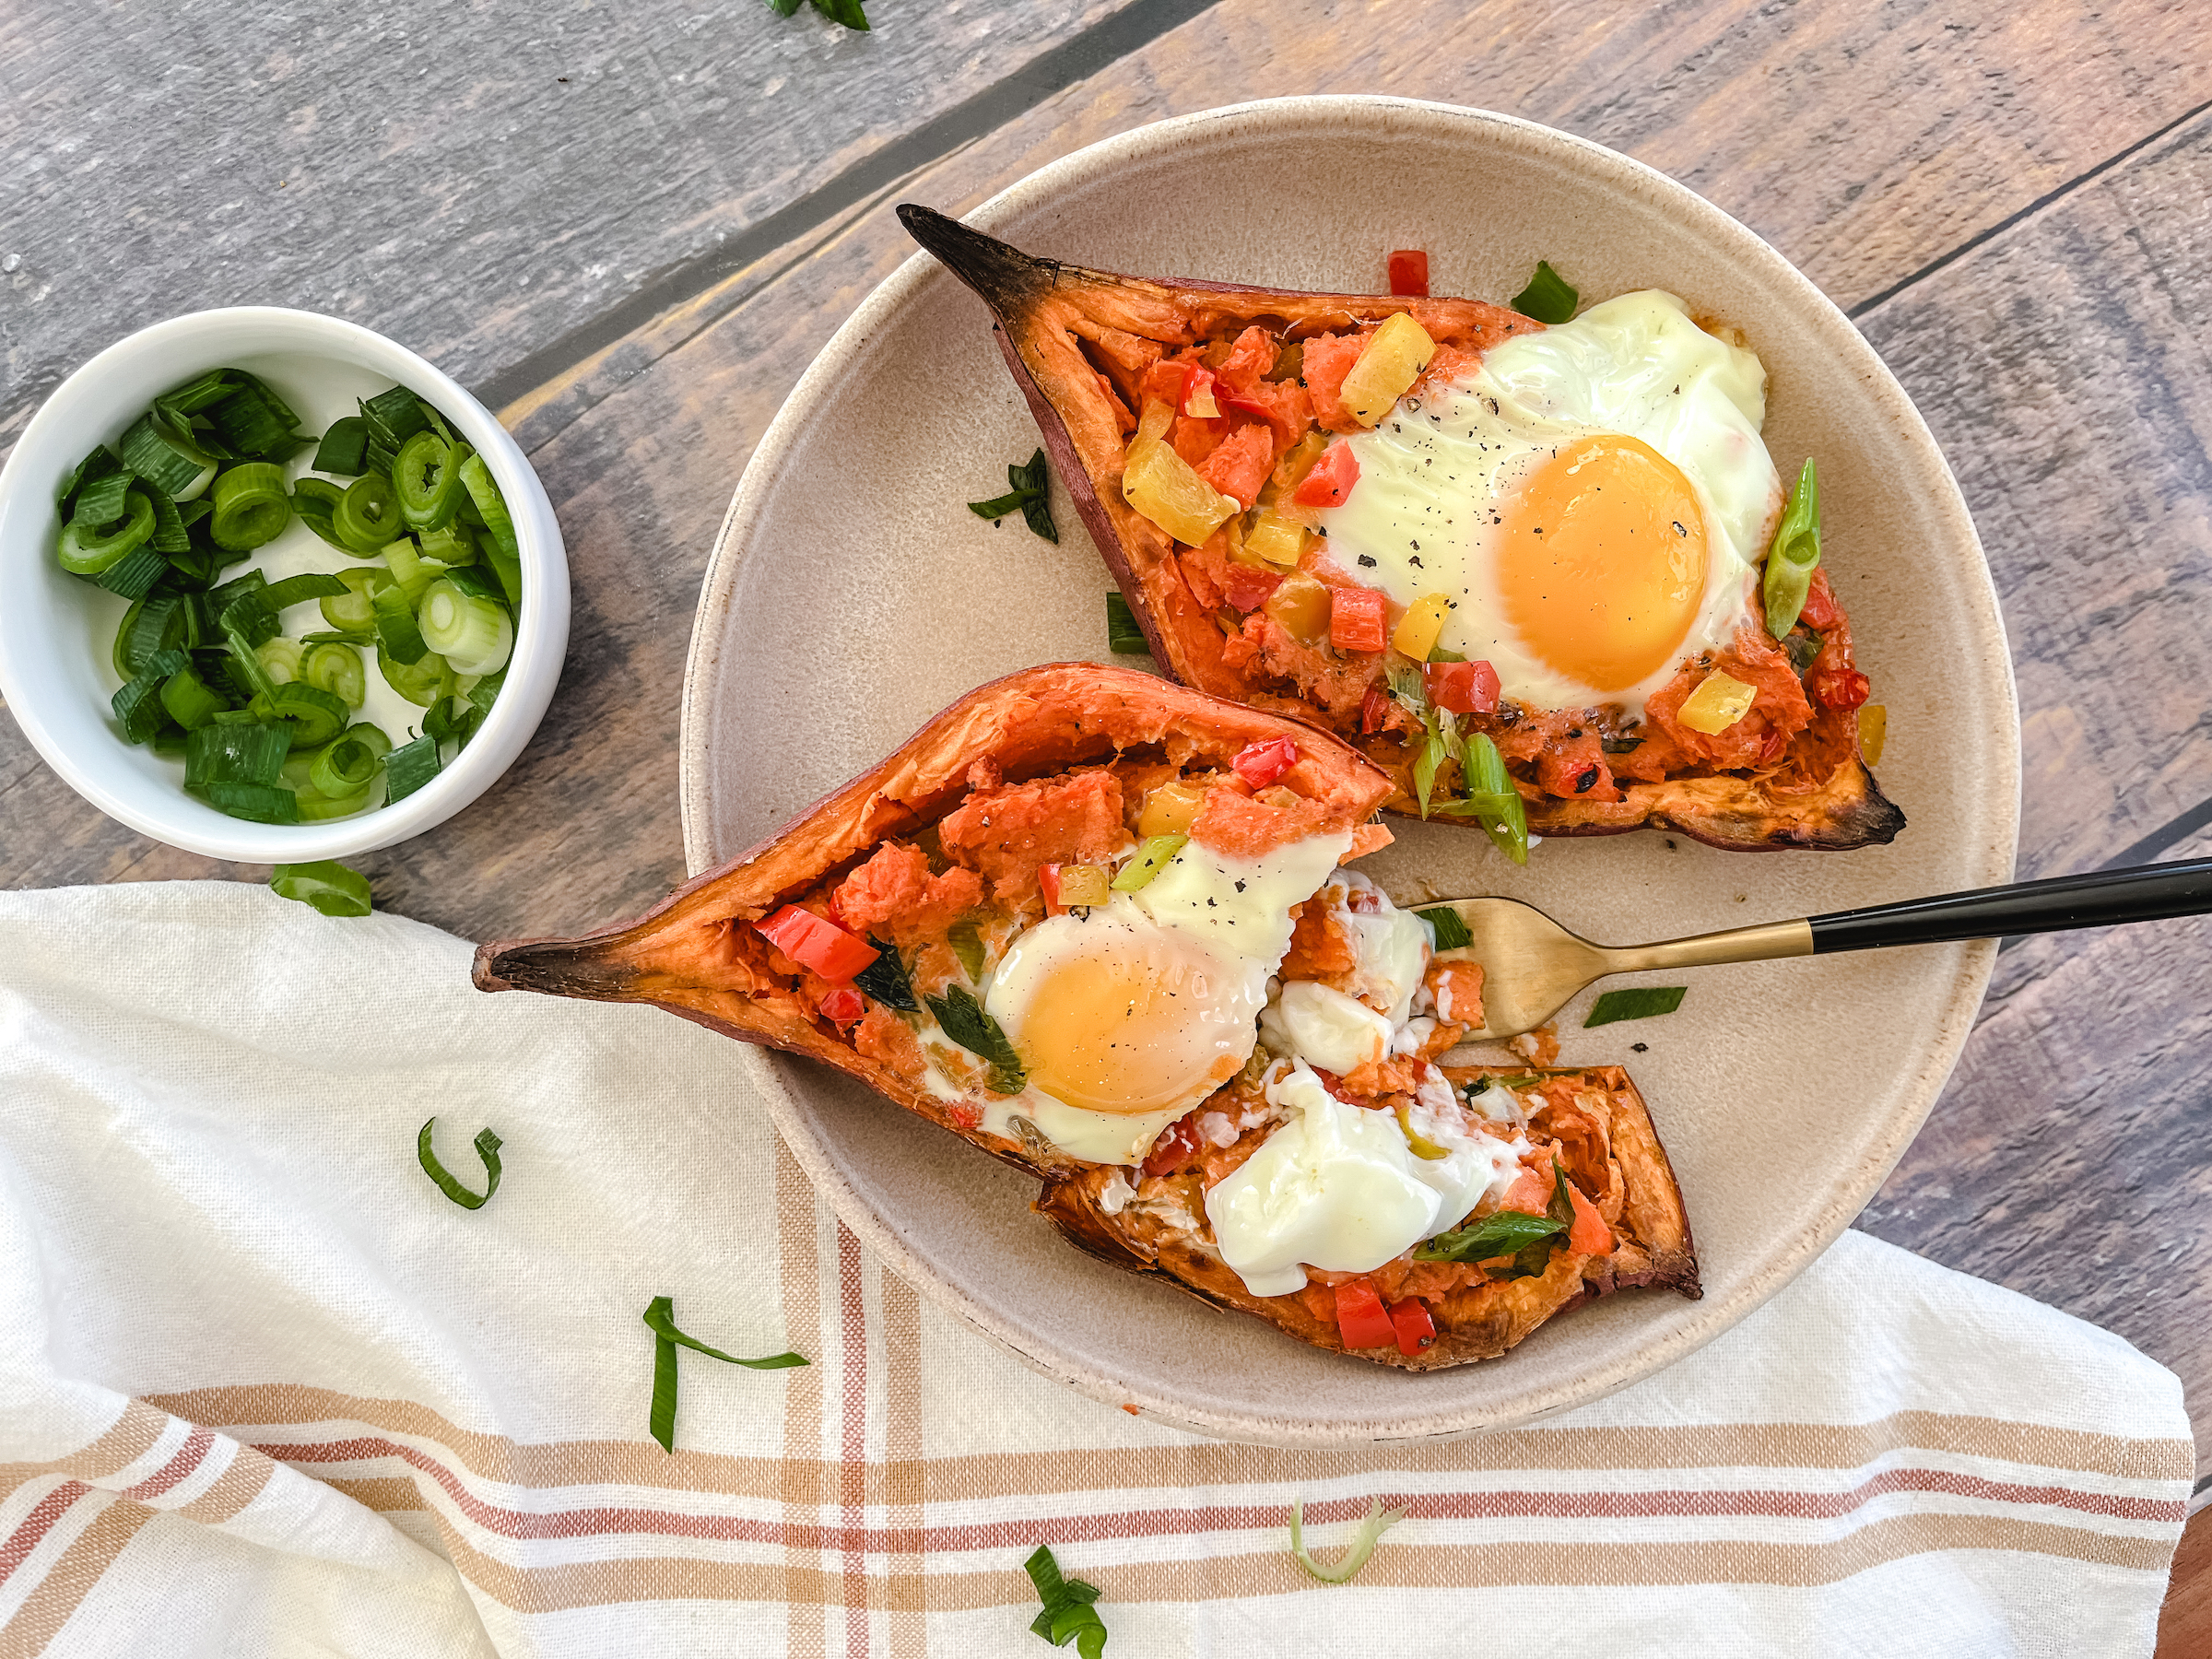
(853, 594)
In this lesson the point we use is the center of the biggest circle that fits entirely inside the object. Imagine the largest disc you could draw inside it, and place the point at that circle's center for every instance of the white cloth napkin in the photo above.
(264, 1390)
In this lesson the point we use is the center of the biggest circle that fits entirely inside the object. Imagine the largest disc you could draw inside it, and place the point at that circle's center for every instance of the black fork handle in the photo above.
(2101, 899)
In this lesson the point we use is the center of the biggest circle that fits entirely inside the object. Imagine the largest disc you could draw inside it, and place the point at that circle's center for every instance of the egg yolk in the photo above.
(1133, 1030)
(1601, 560)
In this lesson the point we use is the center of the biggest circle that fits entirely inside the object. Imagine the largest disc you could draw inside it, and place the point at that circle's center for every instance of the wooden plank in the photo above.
(2186, 1622)
(475, 182)
(2068, 1158)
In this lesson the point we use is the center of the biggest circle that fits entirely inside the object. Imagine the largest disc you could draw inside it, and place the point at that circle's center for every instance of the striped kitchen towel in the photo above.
(264, 1390)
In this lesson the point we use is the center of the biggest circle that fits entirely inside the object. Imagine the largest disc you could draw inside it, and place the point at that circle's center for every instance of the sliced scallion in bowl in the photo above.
(225, 669)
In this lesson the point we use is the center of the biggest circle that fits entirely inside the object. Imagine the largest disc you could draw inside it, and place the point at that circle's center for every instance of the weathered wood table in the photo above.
(630, 228)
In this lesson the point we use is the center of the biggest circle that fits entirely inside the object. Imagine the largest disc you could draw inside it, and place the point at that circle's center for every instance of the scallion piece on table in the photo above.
(660, 1318)
(426, 476)
(252, 506)
(344, 445)
(488, 1144)
(1068, 1615)
(1365, 1537)
(1124, 637)
(332, 889)
(168, 459)
(223, 753)
(368, 515)
(408, 768)
(1549, 297)
(473, 635)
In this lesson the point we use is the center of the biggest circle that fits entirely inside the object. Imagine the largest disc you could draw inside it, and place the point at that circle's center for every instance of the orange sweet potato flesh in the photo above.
(694, 955)
(1078, 342)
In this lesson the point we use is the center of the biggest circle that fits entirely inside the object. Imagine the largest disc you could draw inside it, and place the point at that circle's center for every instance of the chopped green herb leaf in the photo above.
(330, 886)
(488, 1148)
(847, 12)
(962, 1018)
(1029, 497)
(1068, 1615)
(1641, 1003)
(885, 978)
(1445, 927)
(1501, 1234)
(1365, 1537)
(1124, 637)
(1548, 298)
(660, 1317)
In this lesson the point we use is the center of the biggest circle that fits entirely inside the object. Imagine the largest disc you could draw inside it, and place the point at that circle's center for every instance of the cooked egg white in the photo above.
(1592, 501)
(1128, 1015)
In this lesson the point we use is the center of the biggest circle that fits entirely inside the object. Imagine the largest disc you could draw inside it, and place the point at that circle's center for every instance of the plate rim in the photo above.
(1925, 1079)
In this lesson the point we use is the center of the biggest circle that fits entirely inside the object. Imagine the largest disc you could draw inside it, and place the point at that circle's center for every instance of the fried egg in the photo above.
(1592, 501)
(1128, 1015)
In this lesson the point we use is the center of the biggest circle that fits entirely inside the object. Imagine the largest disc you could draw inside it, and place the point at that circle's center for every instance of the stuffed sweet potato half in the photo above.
(1100, 925)
(1498, 559)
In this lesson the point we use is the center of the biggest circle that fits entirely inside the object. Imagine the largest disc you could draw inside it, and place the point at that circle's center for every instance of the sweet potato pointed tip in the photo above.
(1003, 276)
(557, 967)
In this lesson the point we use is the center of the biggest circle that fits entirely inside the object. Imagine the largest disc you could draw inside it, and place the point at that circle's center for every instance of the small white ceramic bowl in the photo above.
(55, 630)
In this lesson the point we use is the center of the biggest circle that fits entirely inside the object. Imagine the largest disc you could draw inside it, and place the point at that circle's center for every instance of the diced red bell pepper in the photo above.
(843, 1005)
(1589, 1235)
(1841, 687)
(1361, 1317)
(818, 942)
(1260, 764)
(1359, 618)
(1331, 480)
(1462, 687)
(1821, 611)
(1177, 1145)
(1409, 273)
(1415, 1330)
(1246, 405)
(1048, 882)
(1249, 587)
(1374, 709)
(1197, 399)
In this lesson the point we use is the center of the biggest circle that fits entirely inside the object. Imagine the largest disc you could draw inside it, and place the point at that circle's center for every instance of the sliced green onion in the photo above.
(422, 682)
(316, 716)
(962, 1018)
(491, 506)
(138, 706)
(394, 415)
(281, 659)
(449, 544)
(224, 753)
(316, 501)
(660, 1317)
(408, 768)
(158, 451)
(367, 514)
(354, 611)
(148, 627)
(260, 804)
(885, 979)
(316, 807)
(1068, 1615)
(100, 464)
(188, 699)
(509, 572)
(398, 635)
(220, 599)
(1446, 929)
(1641, 1002)
(342, 448)
(334, 889)
(345, 767)
(245, 661)
(133, 576)
(968, 946)
(170, 535)
(252, 506)
(1151, 858)
(1491, 799)
(1796, 552)
(1548, 298)
(428, 481)
(473, 635)
(255, 422)
(103, 501)
(90, 545)
(1365, 1537)
(486, 691)
(407, 569)
(257, 610)
(1124, 637)
(336, 669)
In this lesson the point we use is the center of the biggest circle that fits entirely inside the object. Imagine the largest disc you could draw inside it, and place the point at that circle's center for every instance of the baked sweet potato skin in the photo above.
(1652, 1236)
(1047, 312)
(682, 954)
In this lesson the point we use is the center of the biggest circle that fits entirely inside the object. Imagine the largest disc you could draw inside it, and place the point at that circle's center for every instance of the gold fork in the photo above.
(1532, 965)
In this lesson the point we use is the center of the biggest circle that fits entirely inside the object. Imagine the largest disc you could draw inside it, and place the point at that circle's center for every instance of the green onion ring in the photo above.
(347, 766)
(427, 481)
(87, 550)
(336, 669)
(252, 506)
(355, 611)
(368, 515)
(484, 491)
(488, 1148)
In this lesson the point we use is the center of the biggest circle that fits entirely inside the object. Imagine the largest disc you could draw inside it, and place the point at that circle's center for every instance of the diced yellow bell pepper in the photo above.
(1170, 809)
(1718, 703)
(1083, 884)
(1166, 489)
(1417, 631)
(1301, 604)
(1874, 730)
(1275, 537)
(1394, 360)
